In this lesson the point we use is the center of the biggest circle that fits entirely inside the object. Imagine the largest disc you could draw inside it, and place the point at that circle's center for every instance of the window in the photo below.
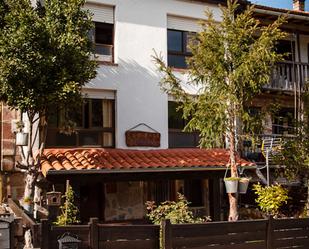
(104, 41)
(283, 121)
(287, 48)
(177, 137)
(94, 122)
(192, 189)
(178, 47)
(103, 33)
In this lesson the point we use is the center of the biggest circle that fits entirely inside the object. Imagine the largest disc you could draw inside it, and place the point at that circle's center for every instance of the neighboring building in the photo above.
(129, 146)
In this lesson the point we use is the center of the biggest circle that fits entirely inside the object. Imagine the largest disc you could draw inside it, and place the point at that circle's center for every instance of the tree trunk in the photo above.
(307, 205)
(233, 212)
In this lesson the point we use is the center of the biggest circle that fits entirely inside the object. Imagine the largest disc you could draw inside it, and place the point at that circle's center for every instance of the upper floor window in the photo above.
(104, 41)
(178, 47)
(180, 32)
(103, 33)
(287, 48)
(283, 122)
(93, 121)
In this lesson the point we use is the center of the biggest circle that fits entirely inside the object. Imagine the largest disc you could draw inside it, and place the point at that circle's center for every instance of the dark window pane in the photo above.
(177, 61)
(86, 114)
(175, 120)
(287, 48)
(53, 117)
(194, 193)
(190, 39)
(76, 115)
(104, 33)
(174, 41)
(97, 113)
(65, 140)
(283, 121)
(89, 138)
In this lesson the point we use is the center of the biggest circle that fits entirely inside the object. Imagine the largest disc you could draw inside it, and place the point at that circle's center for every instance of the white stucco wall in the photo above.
(141, 28)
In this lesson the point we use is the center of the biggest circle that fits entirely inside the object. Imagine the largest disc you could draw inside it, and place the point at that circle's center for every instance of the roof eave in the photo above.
(134, 171)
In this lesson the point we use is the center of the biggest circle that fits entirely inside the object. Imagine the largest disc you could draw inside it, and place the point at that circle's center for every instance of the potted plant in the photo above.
(231, 184)
(243, 184)
(21, 136)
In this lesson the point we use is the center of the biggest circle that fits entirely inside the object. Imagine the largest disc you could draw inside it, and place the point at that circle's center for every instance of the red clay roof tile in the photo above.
(88, 159)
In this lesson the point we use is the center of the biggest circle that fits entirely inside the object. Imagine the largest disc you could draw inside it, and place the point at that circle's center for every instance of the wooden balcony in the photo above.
(289, 76)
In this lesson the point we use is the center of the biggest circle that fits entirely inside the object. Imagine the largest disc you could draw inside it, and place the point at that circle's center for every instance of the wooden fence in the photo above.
(257, 234)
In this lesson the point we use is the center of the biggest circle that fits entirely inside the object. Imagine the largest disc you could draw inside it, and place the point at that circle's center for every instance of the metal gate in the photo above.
(5, 234)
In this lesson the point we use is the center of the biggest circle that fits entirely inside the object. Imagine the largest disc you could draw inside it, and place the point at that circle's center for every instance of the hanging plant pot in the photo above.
(243, 185)
(231, 184)
(21, 138)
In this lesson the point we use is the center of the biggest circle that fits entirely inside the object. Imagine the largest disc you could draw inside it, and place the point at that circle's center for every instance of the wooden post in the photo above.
(35, 230)
(66, 200)
(269, 235)
(166, 233)
(94, 233)
(44, 233)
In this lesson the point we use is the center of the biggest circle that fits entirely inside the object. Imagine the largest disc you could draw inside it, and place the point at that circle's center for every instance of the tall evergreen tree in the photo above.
(231, 62)
(45, 56)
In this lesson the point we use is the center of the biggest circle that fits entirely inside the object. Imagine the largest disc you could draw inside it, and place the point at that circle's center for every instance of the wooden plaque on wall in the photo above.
(143, 139)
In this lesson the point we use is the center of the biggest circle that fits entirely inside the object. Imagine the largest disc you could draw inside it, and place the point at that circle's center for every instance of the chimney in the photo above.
(299, 5)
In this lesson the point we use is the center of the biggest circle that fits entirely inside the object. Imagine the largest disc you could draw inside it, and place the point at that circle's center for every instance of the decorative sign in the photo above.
(143, 139)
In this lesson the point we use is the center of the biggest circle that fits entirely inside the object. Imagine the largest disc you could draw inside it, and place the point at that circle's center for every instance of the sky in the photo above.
(285, 4)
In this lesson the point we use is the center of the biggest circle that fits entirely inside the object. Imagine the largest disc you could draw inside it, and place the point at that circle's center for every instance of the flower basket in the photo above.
(231, 185)
(21, 139)
(243, 185)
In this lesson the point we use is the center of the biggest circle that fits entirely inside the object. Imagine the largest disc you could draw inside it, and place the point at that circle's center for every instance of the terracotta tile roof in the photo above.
(120, 159)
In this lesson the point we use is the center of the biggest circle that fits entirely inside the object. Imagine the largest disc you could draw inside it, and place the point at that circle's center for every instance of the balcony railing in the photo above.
(289, 76)
(104, 52)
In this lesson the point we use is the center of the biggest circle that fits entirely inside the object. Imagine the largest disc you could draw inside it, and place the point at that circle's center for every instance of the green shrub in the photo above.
(176, 211)
(271, 198)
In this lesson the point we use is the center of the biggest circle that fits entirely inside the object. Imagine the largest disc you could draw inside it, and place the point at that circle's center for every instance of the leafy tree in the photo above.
(69, 211)
(271, 198)
(229, 65)
(294, 154)
(45, 60)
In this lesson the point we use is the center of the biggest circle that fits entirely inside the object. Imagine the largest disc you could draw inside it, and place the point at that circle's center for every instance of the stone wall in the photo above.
(12, 180)
(124, 201)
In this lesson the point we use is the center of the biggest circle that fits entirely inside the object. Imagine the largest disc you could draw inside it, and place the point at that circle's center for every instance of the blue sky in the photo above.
(286, 4)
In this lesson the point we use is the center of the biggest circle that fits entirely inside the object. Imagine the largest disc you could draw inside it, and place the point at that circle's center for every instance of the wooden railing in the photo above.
(289, 76)
(247, 234)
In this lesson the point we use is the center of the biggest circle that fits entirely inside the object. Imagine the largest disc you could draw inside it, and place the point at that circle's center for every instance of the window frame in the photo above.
(184, 53)
(79, 130)
(96, 44)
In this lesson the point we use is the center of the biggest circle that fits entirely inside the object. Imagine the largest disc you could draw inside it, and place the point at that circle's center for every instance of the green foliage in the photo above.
(229, 66)
(69, 211)
(271, 198)
(45, 54)
(176, 211)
